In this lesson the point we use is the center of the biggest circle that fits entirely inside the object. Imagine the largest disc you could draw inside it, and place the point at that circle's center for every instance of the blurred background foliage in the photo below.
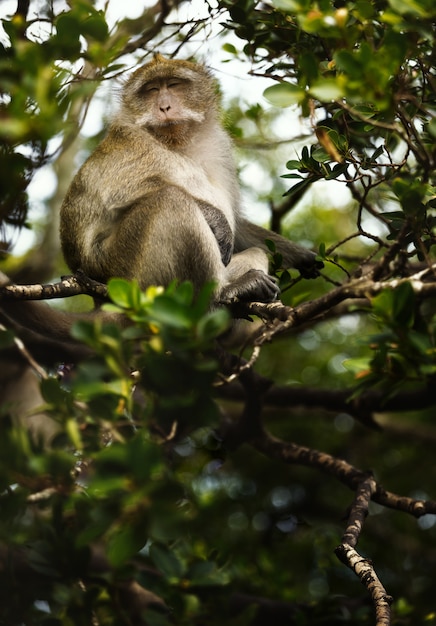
(348, 117)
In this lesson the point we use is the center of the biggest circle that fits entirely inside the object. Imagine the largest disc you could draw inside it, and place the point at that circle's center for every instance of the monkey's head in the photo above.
(170, 98)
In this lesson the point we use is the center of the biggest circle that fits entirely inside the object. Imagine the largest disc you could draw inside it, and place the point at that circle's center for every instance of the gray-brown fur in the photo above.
(158, 200)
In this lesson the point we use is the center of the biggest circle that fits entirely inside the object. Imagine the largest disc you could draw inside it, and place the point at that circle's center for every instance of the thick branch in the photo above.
(22, 8)
(362, 407)
(349, 475)
(77, 284)
(364, 287)
(151, 21)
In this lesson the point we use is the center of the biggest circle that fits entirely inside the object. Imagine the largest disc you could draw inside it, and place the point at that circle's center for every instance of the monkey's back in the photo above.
(105, 186)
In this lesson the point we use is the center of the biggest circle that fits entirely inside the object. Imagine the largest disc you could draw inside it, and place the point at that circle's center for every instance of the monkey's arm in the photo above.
(221, 230)
(304, 260)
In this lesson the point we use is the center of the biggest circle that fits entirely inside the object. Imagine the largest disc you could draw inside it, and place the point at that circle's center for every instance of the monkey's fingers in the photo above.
(253, 286)
(310, 266)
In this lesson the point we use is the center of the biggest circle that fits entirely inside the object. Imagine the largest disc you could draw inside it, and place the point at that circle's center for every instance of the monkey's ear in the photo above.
(158, 58)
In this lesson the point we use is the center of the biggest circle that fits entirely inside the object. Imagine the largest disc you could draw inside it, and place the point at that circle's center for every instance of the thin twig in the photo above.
(364, 570)
(362, 567)
(27, 356)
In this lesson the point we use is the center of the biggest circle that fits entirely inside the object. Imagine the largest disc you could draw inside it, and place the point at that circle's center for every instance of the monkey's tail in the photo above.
(46, 332)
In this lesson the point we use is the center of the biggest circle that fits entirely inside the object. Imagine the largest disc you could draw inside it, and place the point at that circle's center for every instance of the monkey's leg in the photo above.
(20, 394)
(162, 237)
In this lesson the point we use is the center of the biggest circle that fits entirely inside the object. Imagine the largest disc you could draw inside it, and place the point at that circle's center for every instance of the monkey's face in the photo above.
(165, 102)
(170, 98)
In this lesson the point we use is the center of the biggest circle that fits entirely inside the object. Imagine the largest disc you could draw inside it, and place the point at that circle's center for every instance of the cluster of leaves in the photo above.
(363, 73)
(175, 335)
(126, 504)
(109, 485)
(37, 62)
(404, 353)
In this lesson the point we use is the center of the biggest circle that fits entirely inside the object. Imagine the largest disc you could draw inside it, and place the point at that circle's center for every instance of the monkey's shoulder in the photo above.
(120, 157)
(124, 139)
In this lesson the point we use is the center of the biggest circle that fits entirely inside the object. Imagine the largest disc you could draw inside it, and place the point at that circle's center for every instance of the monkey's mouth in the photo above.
(172, 125)
(168, 122)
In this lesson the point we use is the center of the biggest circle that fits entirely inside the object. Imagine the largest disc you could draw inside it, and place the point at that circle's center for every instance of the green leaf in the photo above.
(213, 324)
(96, 27)
(68, 27)
(349, 63)
(284, 94)
(166, 562)
(408, 6)
(206, 573)
(126, 294)
(184, 293)
(203, 300)
(301, 186)
(320, 155)
(67, 39)
(321, 250)
(285, 279)
(287, 5)
(6, 338)
(230, 48)
(326, 90)
(124, 543)
(270, 245)
(377, 153)
(396, 306)
(293, 164)
(432, 127)
(410, 194)
(73, 432)
(357, 365)
(52, 391)
(84, 331)
(167, 311)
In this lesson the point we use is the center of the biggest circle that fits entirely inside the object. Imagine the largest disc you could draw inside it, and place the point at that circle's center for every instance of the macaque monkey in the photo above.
(158, 200)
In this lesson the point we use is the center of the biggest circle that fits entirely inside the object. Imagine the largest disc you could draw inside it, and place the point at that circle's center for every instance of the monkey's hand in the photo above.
(308, 265)
(221, 230)
(253, 286)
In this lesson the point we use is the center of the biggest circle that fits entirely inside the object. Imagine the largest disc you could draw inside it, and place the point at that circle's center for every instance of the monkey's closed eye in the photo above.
(148, 88)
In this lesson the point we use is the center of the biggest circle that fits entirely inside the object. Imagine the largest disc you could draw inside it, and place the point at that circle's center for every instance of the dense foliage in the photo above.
(181, 486)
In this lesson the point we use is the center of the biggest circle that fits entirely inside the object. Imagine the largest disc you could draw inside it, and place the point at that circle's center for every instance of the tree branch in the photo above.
(362, 567)
(74, 285)
(347, 474)
(364, 570)
(366, 489)
(286, 317)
